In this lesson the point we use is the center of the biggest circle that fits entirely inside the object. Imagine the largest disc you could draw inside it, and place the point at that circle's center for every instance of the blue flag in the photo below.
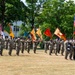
(26, 34)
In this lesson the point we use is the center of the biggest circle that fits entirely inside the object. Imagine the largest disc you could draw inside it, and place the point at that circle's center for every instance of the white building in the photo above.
(15, 29)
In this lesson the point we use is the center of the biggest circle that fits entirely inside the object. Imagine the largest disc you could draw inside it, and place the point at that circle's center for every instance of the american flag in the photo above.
(74, 21)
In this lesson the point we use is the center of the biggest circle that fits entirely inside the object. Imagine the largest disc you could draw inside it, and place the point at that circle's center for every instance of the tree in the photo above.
(34, 7)
(11, 11)
(58, 13)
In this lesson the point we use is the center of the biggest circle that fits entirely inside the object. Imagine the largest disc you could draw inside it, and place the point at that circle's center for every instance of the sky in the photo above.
(25, 0)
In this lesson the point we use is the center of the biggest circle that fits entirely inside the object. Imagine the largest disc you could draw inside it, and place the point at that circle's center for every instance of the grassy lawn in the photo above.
(35, 64)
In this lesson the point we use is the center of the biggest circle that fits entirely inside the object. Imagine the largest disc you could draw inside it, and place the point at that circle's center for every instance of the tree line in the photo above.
(39, 13)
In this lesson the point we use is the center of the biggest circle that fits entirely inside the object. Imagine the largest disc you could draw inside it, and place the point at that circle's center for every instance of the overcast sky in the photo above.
(25, 0)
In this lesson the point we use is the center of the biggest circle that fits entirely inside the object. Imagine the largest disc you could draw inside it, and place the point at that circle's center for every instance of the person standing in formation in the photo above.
(1, 45)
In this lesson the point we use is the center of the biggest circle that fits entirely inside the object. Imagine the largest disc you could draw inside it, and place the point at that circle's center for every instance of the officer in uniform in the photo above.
(1, 44)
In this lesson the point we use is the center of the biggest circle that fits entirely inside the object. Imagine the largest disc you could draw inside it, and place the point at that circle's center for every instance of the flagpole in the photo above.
(73, 27)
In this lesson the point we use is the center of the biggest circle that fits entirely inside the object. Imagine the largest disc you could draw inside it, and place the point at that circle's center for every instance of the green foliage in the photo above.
(58, 13)
(44, 14)
(24, 28)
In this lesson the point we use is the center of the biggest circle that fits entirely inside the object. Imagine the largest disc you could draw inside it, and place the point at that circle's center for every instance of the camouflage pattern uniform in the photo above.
(18, 46)
(69, 50)
(35, 45)
(62, 47)
(50, 47)
(46, 46)
(1, 44)
(22, 45)
(28, 45)
(57, 47)
(11, 45)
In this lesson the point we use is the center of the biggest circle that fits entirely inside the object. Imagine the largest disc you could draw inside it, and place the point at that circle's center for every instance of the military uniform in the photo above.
(74, 50)
(6, 43)
(35, 45)
(11, 45)
(46, 46)
(1, 45)
(18, 46)
(69, 50)
(62, 47)
(57, 47)
(50, 47)
(25, 45)
(28, 45)
(22, 45)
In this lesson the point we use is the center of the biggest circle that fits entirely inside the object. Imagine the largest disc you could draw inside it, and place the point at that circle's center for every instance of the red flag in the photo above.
(63, 37)
(74, 32)
(48, 32)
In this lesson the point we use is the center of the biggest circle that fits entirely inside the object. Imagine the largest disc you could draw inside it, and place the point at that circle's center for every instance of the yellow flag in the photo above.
(11, 34)
(39, 33)
(59, 34)
(33, 35)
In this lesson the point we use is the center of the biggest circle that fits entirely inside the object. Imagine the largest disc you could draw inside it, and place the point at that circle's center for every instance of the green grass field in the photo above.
(35, 64)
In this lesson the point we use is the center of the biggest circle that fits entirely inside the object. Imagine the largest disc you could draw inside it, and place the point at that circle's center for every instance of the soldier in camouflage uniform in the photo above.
(6, 43)
(50, 46)
(46, 46)
(11, 45)
(28, 45)
(62, 47)
(22, 45)
(57, 47)
(35, 42)
(25, 44)
(1, 45)
(73, 49)
(18, 46)
(69, 49)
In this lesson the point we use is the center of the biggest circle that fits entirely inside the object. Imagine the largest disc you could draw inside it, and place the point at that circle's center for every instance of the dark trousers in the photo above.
(1, 51)
(74, 55)
(34, 49)
(10, 51)
(68, 53)
(17, 50)
(28, 49)
(22, 51)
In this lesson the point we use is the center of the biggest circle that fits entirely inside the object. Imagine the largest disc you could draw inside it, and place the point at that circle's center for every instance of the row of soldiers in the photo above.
(18, 44)
(60, 46)
(54, 46)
